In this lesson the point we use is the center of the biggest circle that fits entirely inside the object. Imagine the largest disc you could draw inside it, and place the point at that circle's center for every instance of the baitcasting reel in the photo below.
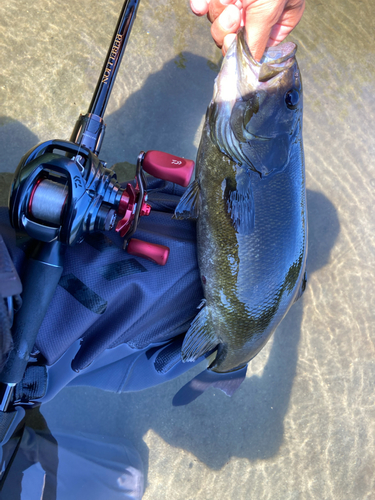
(62, 192)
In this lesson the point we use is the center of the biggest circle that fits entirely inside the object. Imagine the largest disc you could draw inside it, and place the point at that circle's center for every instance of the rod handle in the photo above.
(43, 272)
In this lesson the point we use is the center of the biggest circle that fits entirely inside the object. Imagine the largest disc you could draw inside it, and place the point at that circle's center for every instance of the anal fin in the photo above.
(199, 340)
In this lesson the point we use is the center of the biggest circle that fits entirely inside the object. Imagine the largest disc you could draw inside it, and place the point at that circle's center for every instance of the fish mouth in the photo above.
(275, 60)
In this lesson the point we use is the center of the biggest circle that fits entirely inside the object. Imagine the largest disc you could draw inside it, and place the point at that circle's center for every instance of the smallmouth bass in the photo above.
(249, 200)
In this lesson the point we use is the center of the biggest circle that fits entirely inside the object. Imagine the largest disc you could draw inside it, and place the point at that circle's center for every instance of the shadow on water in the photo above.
(15, 140)
(165, 114)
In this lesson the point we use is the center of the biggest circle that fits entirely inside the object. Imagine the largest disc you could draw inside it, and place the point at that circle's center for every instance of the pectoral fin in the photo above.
(240, 204)
(188, 205)
(268, 156)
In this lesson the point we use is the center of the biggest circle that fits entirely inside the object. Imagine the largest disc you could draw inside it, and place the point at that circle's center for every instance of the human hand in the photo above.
(267, 22)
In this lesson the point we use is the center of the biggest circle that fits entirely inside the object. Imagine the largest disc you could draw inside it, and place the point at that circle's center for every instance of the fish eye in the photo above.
(292, 98)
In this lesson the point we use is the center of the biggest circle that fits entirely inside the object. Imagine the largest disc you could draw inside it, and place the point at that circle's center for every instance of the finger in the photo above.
(265, 19)
(199, 7)
(257, 41)
(278, 33)
(286, 24)
(227, 23)
(216, 7)
(259, 21)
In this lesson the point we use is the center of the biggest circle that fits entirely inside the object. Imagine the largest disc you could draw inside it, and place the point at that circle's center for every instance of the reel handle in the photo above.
(168, 167)
(150, 251)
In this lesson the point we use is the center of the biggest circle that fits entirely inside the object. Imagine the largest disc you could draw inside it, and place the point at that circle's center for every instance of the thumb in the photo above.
(199, 7)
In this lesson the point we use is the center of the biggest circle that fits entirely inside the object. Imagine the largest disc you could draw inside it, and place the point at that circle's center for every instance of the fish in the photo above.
(249, 201)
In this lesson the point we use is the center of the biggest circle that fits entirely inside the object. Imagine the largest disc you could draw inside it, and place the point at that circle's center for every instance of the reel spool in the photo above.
(47, 201)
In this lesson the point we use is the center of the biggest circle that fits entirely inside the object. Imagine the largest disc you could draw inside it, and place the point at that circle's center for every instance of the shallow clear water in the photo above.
(302, 424)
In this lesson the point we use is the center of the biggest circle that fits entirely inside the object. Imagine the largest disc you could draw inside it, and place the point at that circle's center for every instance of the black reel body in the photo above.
(62, 191)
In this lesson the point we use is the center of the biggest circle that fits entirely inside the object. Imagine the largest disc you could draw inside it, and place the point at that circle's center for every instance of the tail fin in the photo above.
(226, 382)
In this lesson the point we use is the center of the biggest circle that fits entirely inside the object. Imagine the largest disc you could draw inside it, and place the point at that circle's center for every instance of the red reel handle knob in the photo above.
(150, 251)
(168, 167)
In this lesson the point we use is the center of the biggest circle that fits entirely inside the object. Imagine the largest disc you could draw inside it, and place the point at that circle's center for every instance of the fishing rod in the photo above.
(62, 192)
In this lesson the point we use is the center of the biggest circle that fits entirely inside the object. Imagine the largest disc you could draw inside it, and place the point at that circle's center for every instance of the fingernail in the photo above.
(225, 21)
(226, 2)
